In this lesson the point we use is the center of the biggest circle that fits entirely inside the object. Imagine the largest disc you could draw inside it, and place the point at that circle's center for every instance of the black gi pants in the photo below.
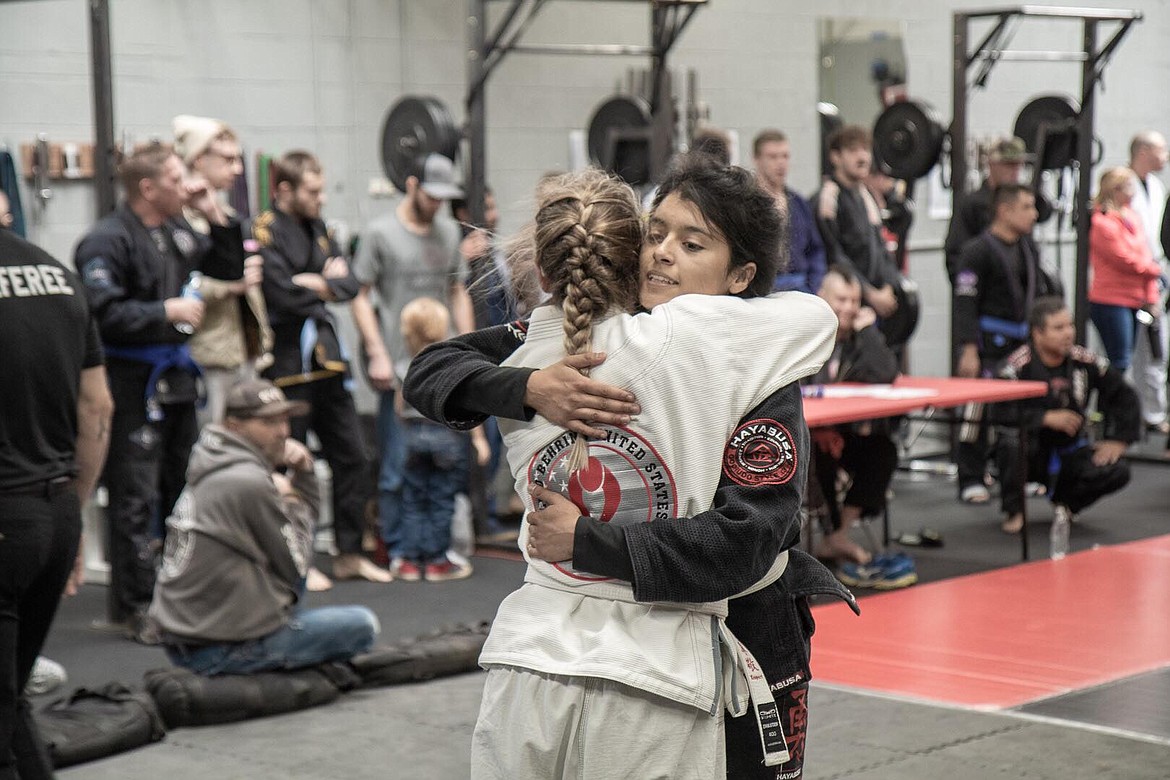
(870, 460)
(335, 421)
(146, 470)
(1077, 484)
(39, 535)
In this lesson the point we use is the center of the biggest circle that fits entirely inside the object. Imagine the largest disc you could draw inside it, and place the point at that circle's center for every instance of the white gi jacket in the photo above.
(697, 364)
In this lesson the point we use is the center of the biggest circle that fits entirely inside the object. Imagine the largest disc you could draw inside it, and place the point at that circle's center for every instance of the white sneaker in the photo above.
(46, 676)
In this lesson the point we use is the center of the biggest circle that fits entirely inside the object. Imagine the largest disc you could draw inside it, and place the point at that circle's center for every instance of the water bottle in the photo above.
(1058, 535)
(190, 290)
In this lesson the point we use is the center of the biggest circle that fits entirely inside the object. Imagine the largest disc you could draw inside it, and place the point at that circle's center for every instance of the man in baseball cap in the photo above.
(239, 548)
(405, 254)
(261, 398)
(438, 178)
(1009, 151)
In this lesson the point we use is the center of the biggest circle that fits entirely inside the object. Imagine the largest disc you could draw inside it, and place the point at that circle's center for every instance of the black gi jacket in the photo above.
(708, 557)
(852, 241)
(127, 279)
(291, 246)
(972, 216)
(1069, 387)
(983, 287)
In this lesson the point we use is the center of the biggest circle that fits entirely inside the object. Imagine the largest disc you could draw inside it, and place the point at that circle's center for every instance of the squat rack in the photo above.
(668, 19)
(991, 49)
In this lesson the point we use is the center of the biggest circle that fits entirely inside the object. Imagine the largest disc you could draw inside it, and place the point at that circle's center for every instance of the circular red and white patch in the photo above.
(760, 452)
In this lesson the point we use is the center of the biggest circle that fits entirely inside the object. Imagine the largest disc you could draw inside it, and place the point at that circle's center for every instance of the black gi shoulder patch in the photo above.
(760, 452)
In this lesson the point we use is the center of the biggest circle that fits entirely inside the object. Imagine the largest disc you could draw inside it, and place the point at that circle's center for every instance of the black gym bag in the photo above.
(448, 650)
(92, 724)
(188, 699)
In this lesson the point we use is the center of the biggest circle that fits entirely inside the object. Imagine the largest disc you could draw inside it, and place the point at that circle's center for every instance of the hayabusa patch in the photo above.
(760, 452)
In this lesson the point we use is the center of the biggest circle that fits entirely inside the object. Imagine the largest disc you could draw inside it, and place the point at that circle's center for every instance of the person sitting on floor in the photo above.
(1075, 471)
(238, 549)
(865, 450)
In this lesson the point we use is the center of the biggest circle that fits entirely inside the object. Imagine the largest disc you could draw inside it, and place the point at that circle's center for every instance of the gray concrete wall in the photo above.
(322, 73)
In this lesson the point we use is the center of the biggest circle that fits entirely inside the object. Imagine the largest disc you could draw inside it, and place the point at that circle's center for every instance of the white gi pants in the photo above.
(1149, 373)
(533, 725)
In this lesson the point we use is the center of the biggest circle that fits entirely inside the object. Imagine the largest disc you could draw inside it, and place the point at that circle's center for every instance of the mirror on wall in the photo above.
(862, 71)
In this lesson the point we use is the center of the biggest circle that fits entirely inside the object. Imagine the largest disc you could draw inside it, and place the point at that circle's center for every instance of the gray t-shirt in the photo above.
(401, 266)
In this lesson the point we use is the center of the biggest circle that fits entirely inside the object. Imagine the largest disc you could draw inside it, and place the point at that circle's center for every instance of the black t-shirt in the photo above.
(47, 336)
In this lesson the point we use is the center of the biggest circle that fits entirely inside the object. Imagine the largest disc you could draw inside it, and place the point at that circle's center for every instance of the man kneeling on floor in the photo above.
(1075, 471)
(239, 546)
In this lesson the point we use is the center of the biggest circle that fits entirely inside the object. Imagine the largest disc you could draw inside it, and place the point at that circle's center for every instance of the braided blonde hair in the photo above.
(587, 238)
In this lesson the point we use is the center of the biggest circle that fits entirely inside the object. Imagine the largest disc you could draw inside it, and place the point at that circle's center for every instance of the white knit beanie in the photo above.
(193, 134)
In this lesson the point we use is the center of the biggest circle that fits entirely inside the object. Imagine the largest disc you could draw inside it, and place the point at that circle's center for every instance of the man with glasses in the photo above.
(234, 340)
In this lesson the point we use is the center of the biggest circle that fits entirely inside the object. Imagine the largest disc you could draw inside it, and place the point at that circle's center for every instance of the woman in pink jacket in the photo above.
(1125, 274)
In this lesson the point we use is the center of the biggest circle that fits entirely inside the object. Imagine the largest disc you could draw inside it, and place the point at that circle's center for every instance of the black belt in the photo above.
(46, 488)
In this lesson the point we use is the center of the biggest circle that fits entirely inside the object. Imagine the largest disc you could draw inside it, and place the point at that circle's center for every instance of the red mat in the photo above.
(1006, 637)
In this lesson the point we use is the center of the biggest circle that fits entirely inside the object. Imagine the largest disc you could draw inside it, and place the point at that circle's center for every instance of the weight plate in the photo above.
(615, 114)
(416, 126)
(1047, 126)
(907, 140)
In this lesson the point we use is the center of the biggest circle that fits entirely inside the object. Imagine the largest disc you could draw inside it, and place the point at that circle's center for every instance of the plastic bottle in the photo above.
(190, 290)
(1058, 535)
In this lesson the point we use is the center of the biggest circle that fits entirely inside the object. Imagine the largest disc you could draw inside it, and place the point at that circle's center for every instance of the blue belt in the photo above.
(1003, 329)
(161, 358)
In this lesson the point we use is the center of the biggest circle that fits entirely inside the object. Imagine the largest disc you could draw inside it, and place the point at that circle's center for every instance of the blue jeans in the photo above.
(311, 637)
(435, 470)
(1116, 326)
(393, 452)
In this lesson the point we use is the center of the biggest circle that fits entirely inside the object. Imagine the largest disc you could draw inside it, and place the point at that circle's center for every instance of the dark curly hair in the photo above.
(736, 208)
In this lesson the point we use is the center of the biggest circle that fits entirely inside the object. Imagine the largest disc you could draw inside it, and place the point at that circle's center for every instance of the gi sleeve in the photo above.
(280, 292)
(460, 383)
(105, 263)
(722, 551)
(875, 363)
(828, 207)
(223, 256)
(968, 291)
(1119, 403)
(344, 288)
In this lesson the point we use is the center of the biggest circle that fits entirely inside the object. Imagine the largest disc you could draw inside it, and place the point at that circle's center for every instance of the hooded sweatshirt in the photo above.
(236, 551)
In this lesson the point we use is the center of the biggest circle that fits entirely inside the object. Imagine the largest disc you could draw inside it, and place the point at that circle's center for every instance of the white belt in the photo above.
(741, 670)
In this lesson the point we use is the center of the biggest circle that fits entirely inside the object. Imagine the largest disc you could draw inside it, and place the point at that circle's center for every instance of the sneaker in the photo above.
(860, 575)
(46, 676)
(975, 494)
(885, 572)
(407, 571)
(898, 571)
(446, 570)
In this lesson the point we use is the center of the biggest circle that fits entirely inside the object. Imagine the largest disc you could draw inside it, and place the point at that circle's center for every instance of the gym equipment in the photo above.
(620, 138)
(416, 126)
(907, 140)
(900, 326)
(1048, 127)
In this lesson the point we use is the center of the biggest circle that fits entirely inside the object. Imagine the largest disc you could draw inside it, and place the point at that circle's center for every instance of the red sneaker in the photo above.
(447, 570)
(407, 571)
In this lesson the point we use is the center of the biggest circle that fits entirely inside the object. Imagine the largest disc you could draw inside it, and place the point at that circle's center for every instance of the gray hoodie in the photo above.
(236, 551)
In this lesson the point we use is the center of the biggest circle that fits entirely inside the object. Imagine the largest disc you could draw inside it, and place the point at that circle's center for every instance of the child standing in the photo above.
(436, 463)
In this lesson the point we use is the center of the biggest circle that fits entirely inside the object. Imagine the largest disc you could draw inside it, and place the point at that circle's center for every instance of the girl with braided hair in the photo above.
(582, 667)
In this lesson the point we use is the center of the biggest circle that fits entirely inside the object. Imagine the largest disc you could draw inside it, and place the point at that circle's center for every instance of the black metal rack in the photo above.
(668, 19)
(991, 49)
